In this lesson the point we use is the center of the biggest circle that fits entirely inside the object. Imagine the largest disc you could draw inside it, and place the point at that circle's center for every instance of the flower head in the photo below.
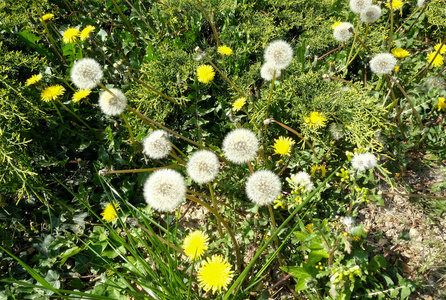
(267, 71)
(309, 228)
(383, 63)
(370, 14)
(157, 145)
(164, 190)
(109, 214)
(441, 104)
(214, 274)
(348, 222)
(46, 17)
(112, 104)
(336, 131)
(343, 32)
(238, 104)
(224, 50)
(240, 145)
(195, 244)
(81, 94)
(315, 120)
(52, 93)
(364, 161)
(205, 73)
(70, 35)
(282, 145)
(33, 79)
(86, 73)
(263, 187)
(399, 52)
(442, 50)
(85, 33)
(203, 166)
(357, 6)
(396, 4)
(420, 3)
(438, 61)
(301, 180)
(279, 53)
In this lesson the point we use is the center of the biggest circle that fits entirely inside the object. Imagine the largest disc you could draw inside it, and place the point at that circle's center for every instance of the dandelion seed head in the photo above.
(86, 73)
(383, 63)
(364, 161)
(240, 146)
(336, 131)
(301, 180)
(267, 71)
(343, 32)
(157, 145)
(370, 14)
(203, 166)
(164, 190)
(420, 3)
(357, 6)
(279, 53)
(112, 104)
(263, 187)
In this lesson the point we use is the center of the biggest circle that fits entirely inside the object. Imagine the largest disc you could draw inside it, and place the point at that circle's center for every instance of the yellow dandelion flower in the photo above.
(399, 52)
(195, 244)
(437, 62)
(205, 73)
(85, 33)
(225, 50)
(396, 4)
(442, 50)
(396, 69)
(70, 35)
(356, 238)
(317, 168)
(52, 93)
(315, 119)
(46, 17)
(441, 104)
(335, 25)
(282, 145)
(81, 94)
(309, 228)
(214, 274)
(109, 214)
(33, 79)
(238, 104)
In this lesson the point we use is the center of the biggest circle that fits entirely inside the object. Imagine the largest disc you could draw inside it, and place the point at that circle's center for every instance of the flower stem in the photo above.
(129, 27)
(138, 170)
(298, 134)
(71, 112)
(231, 234)
(273, 229)
(210, 22)
(389, 46)
(224, 76)
(214, 202)
(132, 138)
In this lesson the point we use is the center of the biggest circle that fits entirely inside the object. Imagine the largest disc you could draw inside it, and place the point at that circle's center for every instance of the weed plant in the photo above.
(272, 123)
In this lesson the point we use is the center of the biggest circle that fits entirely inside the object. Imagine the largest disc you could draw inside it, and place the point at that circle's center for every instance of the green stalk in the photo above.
(210, 22)
(126, 22)
(231, 234)
(58, 112)
(138, 170)
(389, 46)
(298, 134)
(224, 76)
(273, 229)
(132, 138)
(242, 276)
(214, 202)
(71, 112)
(408, 18)
(354, 40)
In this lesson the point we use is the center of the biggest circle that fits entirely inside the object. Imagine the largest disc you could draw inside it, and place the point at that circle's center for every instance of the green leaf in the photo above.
(300, 275)
(405, 292)
(68, 253)
(30, 39)
(315, 256)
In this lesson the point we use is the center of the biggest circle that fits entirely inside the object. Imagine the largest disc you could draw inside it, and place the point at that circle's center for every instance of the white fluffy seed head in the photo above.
(86, 73)
(157, 145)
(164, 190)
(112, 104)
(370, 14)
(263, 187)
(420, 3)
(240, 145)
(203, 166)
(336, 131)
(357, 6)
(301, 180)
(383, 63)
(364, 161)
(279, 53)
(267, 71)
(343, 32)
